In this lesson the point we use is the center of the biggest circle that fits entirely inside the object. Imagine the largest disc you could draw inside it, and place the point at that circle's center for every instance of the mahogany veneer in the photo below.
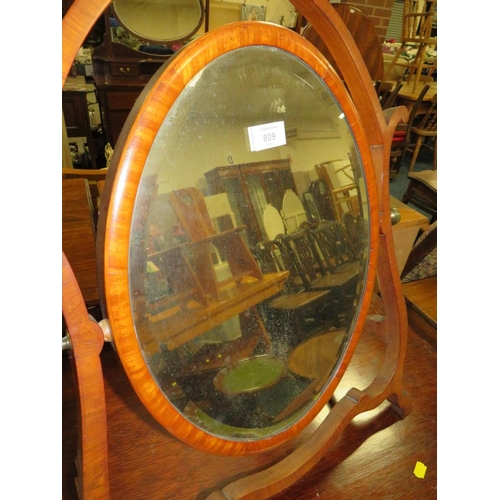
(374, 457)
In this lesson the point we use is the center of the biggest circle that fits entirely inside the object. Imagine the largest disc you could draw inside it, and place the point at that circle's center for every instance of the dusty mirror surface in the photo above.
(249, 244)
(162, 21)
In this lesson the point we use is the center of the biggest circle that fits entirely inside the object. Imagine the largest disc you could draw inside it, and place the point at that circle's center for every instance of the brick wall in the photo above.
(379, 11)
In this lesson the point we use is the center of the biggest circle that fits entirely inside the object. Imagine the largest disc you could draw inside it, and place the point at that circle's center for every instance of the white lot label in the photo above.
(269, 135)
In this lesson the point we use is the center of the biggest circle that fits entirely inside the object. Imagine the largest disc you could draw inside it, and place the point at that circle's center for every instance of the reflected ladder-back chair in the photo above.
(295, 308)
(345, 197)
(418, 18)
(331, 242)
(308, 265)
(353, 231)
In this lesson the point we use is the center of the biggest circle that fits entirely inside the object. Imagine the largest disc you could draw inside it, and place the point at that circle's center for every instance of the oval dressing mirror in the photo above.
(233, 340)
(160, 21)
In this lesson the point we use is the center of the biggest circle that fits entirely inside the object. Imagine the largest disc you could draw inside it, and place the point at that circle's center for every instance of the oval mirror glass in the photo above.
(246, 251)
(162, 21)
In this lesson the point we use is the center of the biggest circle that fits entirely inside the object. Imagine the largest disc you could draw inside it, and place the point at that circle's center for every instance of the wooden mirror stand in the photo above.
(87, 337)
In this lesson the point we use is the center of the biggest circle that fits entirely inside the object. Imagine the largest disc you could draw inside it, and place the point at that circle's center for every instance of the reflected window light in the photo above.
(341, 116)
(195, 79)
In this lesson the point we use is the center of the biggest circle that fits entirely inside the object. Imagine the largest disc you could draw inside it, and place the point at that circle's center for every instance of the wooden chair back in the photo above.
(273, 257)
(423, 126)
(416, 33)
(305, 259)
(427, 122)
(270, 257)
(353, 232)
(295, 311)
(332, 243)
(401, 139)
(418, 17)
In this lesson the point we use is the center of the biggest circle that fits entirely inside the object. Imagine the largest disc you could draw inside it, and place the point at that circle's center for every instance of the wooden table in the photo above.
(406, 230)
(313, 358)
(407, 96)
(374, 457)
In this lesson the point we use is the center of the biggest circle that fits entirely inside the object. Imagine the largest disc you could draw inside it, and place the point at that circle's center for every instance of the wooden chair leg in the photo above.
(415, 154)
(435, 152)
(392, 64)
(420, 64)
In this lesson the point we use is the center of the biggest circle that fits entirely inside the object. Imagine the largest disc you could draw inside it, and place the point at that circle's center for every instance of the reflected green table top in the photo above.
(250, 375)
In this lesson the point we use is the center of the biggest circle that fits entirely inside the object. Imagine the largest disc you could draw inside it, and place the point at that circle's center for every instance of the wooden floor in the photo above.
(374, 458)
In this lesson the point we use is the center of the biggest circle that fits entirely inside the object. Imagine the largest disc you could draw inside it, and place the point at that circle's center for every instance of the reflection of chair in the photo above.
(418, 16)
(343, 189)
(354, 234)
(422, 191)
(323, 203)
(310, 268)
(302, 308)
(332, 243)
(189, 267)
(424, 128)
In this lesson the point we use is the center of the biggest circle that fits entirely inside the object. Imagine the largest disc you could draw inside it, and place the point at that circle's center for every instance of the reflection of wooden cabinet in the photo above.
(250, 187)
(116, 99)
(120, 74)
(76, 114)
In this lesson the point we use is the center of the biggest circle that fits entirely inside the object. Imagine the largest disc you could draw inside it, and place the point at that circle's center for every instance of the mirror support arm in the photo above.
(88, 343)
(388, 383)
(86, 340)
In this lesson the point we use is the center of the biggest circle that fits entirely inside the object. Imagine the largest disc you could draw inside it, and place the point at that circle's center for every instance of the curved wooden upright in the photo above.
(378, 127)
(86, 339)
(364, 33)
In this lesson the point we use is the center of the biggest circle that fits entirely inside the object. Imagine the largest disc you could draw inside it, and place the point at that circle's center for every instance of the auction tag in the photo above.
(266, 136)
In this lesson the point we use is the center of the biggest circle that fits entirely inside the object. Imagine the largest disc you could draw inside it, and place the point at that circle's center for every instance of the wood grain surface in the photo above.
(145, 462)
(374, 458)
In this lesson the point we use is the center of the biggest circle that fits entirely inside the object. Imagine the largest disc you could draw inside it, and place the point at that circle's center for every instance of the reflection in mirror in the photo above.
(249, 244)
(161, 21)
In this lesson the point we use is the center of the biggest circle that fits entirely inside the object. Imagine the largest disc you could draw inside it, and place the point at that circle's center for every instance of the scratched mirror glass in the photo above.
(249, 244)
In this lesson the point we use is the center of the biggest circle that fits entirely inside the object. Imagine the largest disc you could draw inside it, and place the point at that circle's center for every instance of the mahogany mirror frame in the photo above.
(379, 127)
(128, 164)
